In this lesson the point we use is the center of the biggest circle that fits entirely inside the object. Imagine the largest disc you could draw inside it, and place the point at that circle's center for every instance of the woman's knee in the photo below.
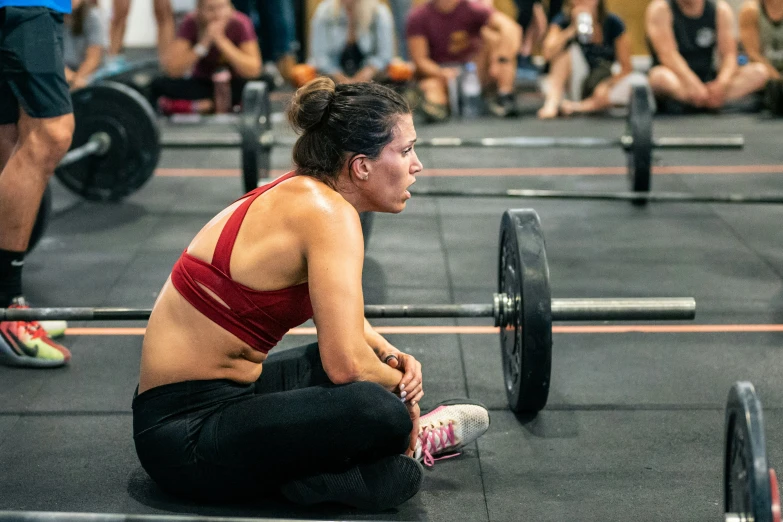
(661, 79)
(380, 408)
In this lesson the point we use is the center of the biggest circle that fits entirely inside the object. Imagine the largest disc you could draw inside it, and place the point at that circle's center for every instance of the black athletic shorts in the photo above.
(32, 72)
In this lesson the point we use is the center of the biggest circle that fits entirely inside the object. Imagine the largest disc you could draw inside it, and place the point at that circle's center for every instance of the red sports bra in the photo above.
(259, 318)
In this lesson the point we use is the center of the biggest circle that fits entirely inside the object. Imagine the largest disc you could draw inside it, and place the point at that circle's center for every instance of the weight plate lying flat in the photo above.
(256, 119)
(746, 477)
(526, 329)
(639, 128)
(130, 122)
(366, 219)
(42, 220)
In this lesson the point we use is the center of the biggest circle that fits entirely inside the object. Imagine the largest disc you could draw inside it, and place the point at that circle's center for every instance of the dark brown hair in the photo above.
(335, 122)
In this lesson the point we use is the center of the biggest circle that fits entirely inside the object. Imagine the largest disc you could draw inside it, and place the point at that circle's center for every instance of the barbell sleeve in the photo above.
(562, 310)
(97, 145)
(221, 141)
(696, 142)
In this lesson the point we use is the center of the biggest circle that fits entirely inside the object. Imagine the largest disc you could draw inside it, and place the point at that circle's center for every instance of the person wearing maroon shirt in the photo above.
(443, 34)
(212, 38)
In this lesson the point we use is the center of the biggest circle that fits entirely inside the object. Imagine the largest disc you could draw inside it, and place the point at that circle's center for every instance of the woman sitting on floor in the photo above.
(351, 40)
(586, 60)
(216, 417)
(215, 43)
(84, 39)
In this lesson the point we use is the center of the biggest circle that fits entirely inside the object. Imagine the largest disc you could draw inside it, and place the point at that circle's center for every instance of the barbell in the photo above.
(522, 308)
(134, 143)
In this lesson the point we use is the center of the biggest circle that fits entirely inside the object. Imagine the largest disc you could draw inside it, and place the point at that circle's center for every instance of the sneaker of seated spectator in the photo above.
(212, 38)
(351, 40)
(584, 55)
(442, 32)
(84, 38)
(684, 36)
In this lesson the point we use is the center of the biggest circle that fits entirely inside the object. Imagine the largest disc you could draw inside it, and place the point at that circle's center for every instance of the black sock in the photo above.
(11, 264)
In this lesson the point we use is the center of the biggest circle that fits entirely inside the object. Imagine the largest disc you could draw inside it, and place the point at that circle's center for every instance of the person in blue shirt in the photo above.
(604, 42)
(36, 127)
(351, 40)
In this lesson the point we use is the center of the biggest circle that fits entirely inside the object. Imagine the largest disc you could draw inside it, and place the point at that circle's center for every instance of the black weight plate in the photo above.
(130, 122)
(639, 128)
(256, 119)
(526, 339)
(746, 479)
(42, 219)
(366, 219)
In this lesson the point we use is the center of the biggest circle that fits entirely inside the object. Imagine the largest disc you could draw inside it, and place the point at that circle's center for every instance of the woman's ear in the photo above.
(361, 167)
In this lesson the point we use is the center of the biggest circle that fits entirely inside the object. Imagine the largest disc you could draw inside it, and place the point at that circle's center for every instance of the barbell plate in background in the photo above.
(256, 119)
(526, 329)
(129, 121)
(639, 128)
(746, 478)
(42, 219)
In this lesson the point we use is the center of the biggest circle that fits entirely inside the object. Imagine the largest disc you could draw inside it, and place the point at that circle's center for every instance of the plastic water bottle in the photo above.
(584, 28)
(222, 83)
(470, 88)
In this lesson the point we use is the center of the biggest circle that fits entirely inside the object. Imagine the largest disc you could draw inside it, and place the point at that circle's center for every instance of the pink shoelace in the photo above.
(434, 440)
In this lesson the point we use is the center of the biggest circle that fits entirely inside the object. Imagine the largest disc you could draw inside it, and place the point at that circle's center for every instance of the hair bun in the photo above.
(310, 103)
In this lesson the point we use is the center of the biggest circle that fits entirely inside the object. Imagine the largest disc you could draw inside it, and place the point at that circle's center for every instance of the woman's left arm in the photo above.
(404, 362)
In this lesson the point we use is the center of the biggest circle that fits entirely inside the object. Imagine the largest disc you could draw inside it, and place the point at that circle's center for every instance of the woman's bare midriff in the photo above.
(180, 343)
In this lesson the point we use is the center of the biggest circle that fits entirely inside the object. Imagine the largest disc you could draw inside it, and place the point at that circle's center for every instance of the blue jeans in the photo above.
(275, 26)
(400, 9)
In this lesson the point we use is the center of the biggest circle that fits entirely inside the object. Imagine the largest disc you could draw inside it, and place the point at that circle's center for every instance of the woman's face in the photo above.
(215, 10)
(390, 176)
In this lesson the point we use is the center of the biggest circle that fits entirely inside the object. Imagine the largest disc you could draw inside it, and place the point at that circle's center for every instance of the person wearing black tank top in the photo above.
(683, 36)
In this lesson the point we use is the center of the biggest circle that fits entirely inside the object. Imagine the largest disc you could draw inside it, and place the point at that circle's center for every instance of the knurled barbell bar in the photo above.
(658, 197)
(523, 309)
(638, 143)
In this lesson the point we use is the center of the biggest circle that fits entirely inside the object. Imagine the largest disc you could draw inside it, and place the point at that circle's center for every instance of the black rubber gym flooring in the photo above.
(634, 425)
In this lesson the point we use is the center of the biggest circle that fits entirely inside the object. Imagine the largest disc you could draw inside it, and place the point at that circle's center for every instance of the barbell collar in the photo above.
(97, 145)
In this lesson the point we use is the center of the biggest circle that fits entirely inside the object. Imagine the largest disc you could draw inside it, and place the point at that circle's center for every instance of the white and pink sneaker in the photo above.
(448, 428)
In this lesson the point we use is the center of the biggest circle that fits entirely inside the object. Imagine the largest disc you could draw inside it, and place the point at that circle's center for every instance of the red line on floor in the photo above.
(516, 171)
(484, 330)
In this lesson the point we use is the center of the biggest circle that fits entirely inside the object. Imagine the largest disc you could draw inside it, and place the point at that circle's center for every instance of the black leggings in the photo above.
(191, 89)
(222, 440)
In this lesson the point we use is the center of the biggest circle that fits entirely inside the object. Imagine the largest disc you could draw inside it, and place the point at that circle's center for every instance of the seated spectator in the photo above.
(84, 40)
(351, 40)
(276, 29)
(586, 59)
(761, 34)
(213, 39)
(683, 35)
(443, 35)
